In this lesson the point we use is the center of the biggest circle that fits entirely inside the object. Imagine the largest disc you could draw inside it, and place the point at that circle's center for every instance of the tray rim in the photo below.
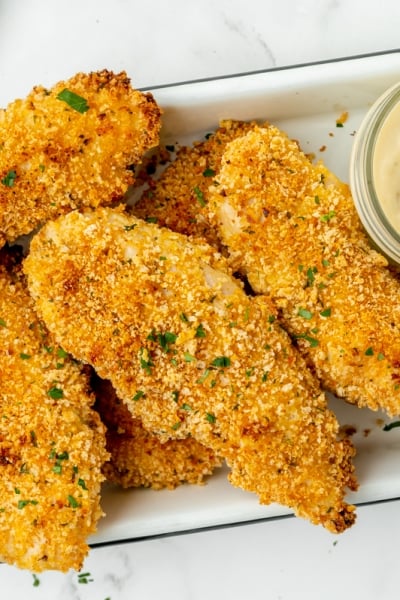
(293, 66)
(245, 521)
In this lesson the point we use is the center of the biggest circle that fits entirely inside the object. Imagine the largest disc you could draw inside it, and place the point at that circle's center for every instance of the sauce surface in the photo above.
(386, 167)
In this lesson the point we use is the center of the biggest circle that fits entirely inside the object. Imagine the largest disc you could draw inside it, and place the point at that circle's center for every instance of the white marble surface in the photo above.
(162, 42)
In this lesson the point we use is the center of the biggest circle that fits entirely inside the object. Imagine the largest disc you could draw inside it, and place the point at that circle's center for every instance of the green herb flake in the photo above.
(369, 351)
(22, 503)
(304, 313)
(304, 336)
(145, 361)
(221, 361)
(208, 172)
(129, 227)
(189, 357)
(24, 356)
(391, 425)
(3, 323)
(311, 275)
(316, 200)
(199, 196)
(328, 216)
(55, 393)
(139, 394)
(73, 503)
(36, 580)
(73, 100)
(380, 356)
(326, 312)
(186, 406)
(183, 318)
(9, 179)
(82, 484)
(204, 376)
(84, 578)
(176, 425)
(200, 332)
(211, 418)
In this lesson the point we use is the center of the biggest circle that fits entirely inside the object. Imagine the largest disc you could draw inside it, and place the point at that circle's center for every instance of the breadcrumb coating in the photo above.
(138, 458)
(190, 354)
(176, 198)
(52, 444)
(71, 146)
(292, 228)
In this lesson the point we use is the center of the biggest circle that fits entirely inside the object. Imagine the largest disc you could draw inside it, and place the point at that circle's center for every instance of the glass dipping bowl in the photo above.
(375, 173)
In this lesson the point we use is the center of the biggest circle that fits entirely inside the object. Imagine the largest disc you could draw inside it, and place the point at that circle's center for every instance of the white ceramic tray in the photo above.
(305, 101)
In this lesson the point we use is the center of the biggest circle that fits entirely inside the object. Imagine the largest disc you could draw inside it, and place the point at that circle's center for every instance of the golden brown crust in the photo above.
(293, 229)
(190, 353)
(176, 198)
(138, 458)
(54, 158)
(52, 444)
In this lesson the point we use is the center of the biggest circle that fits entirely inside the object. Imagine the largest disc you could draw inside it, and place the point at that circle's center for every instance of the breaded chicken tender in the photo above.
(291, 227)
(71, 146)
(52, 444)
(138, 458)
(191, 354)
(176, 198)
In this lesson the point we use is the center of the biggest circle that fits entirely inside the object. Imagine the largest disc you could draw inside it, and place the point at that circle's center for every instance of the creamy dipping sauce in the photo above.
(386, 167)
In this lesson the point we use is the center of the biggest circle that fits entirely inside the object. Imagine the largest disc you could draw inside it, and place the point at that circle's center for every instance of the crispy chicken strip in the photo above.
(139, 458)
(292, 228)
(52, 444)
(191, 354)
(176, 198)
(71, 146)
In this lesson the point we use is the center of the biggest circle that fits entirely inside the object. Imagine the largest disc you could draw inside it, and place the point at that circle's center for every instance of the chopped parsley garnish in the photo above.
(22, 503)
(72, 502)
(24, 356)
(129, 227)
(139, 394)
(304, 336)
(36, 580)
(3, 323)
(199, 196)
(211, 418)
(221, 361)
(306, 314)
(164, 339)
(183, 318)
(369, 351)
(204, 376)
(9, 179)
(326, 312)
(189, 357)
(55, 393)
(328, 216)
(391, 425)
(73, 100)
(208, 172)
(145, 361)
(82, 484)
(186, 406)
(84, 578)
(200, 332)
(175, 395)
(151, 219)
